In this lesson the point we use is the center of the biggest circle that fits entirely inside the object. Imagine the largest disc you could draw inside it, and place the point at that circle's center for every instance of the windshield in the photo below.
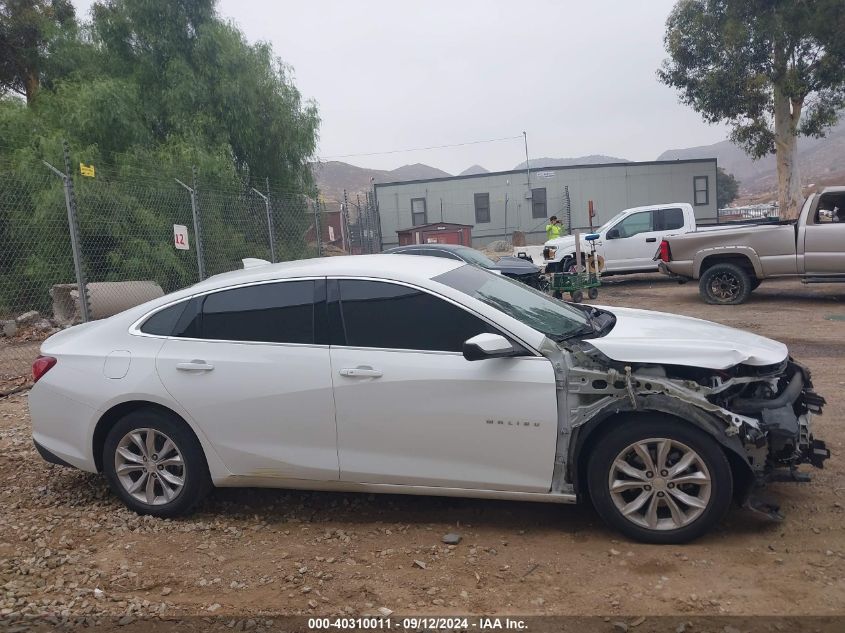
(553, 318)
(610, 222)
(474, 257)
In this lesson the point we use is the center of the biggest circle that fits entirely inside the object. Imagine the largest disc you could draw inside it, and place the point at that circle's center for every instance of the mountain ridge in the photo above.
(822, 161)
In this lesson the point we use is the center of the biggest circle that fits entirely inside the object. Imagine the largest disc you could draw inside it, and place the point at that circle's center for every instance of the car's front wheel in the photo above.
(155, 464)
(660, 481)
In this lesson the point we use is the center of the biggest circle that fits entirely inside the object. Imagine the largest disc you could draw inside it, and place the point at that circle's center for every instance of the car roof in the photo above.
(385, 265)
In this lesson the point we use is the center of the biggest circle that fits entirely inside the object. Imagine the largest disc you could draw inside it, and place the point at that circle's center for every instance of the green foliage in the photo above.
(727, 188)
(145, 91)
(32, 33)
(729, 57)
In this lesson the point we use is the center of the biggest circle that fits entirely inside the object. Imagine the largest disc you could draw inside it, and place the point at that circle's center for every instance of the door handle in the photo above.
(362, 371)
(194, 365)
(651, 239)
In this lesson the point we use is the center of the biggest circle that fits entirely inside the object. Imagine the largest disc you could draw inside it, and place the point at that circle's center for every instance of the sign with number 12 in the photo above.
(180, 237)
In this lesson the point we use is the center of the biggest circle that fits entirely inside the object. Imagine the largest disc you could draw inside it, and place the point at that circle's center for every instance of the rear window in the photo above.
(163, 322)
(281, 312)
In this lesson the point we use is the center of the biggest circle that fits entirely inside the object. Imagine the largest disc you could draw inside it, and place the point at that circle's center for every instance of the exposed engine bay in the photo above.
(761, 414)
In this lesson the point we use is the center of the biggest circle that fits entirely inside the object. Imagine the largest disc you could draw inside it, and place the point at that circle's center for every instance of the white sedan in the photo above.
(417, 375)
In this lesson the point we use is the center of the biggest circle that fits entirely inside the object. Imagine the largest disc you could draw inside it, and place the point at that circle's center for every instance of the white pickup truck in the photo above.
(626, 244)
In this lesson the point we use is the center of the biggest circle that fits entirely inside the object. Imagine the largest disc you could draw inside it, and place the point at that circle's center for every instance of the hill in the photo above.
(474, 170)
(592, 159)
(821, 160)
(332, 177)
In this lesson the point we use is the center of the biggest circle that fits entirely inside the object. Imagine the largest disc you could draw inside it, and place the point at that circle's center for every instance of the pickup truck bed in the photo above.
(731, 261)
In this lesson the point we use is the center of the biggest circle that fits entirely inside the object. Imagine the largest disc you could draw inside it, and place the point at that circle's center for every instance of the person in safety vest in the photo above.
(553, 228)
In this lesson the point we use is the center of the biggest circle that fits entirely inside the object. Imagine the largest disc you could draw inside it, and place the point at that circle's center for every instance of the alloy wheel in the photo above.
(725, 286)
(149, 466)
(659, 484)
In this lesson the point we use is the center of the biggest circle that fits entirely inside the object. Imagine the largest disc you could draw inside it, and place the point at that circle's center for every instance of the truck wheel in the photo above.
(659, 481)
(725, 284)
(592, 293)
(566, 265)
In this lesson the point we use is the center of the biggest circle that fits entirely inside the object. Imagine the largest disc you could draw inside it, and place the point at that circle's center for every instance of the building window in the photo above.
(482, 208)
(701, 190)
(538, 203)
(418, 215)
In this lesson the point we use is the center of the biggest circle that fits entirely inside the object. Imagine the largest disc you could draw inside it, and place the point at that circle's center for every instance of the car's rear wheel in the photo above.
(725, 284)
(660, 481)
(155, 464)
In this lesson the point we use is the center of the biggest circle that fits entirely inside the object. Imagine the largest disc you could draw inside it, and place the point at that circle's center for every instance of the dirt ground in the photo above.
(68, 547)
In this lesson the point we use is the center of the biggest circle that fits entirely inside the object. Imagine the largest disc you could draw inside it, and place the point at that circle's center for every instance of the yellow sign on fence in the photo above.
(86, 170)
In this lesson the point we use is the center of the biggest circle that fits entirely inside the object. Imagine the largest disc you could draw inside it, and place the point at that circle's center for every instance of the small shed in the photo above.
(437, 233)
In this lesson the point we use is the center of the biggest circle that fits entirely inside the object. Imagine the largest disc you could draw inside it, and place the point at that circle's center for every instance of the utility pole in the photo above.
(527, 161)
(506, 216)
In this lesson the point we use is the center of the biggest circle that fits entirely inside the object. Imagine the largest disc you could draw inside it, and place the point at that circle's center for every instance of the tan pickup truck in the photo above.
(731, 261)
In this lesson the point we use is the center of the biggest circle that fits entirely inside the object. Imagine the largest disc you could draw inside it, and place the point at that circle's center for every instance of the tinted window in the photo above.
(634, 224)
(389, 316)
(164, 321)
(272, 313)
(671, 219)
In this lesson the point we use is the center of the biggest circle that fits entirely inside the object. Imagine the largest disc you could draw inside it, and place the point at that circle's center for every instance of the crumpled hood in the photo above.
(643, 336)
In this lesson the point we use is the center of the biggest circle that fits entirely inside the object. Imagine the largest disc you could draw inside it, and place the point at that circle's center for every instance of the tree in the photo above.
(200, 79)
(27, 27)
(145, 91)
(772, 69)
(727, 188)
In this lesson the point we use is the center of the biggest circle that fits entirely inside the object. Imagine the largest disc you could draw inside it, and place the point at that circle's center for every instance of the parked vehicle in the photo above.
(626, 242)
(422, 375)
(513, 267)
(730, 262)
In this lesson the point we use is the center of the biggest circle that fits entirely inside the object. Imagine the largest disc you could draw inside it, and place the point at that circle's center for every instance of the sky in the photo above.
(577, 77)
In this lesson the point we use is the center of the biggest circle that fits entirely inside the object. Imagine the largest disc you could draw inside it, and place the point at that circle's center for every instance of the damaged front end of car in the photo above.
(761, 415)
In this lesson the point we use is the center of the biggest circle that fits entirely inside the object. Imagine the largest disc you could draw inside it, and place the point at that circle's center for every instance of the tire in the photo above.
(755, 283)
(664, 525)
(577, 296)
(133, 458)
(725, 284)
(567, 265)
(592, 293)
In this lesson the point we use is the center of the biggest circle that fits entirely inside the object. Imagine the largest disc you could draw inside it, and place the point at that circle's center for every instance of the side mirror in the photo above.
(613, 234)
(484, 346)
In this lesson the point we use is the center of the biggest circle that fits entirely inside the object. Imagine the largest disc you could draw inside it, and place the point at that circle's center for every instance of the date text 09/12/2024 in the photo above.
(418, 623)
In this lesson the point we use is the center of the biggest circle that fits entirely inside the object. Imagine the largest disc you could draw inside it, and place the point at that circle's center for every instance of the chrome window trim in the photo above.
(135, 328)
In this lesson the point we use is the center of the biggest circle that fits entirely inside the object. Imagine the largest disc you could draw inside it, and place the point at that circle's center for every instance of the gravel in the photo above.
(70, 550)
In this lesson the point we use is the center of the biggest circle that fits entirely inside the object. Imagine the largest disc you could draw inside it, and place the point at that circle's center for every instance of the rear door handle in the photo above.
(362, 371)
(194, 365)
(651, 239)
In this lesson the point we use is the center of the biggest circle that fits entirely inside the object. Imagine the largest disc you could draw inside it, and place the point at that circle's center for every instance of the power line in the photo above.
(420, 149)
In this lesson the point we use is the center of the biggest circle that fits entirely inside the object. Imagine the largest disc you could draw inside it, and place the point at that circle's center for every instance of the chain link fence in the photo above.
(751, 213)
(77, 247)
